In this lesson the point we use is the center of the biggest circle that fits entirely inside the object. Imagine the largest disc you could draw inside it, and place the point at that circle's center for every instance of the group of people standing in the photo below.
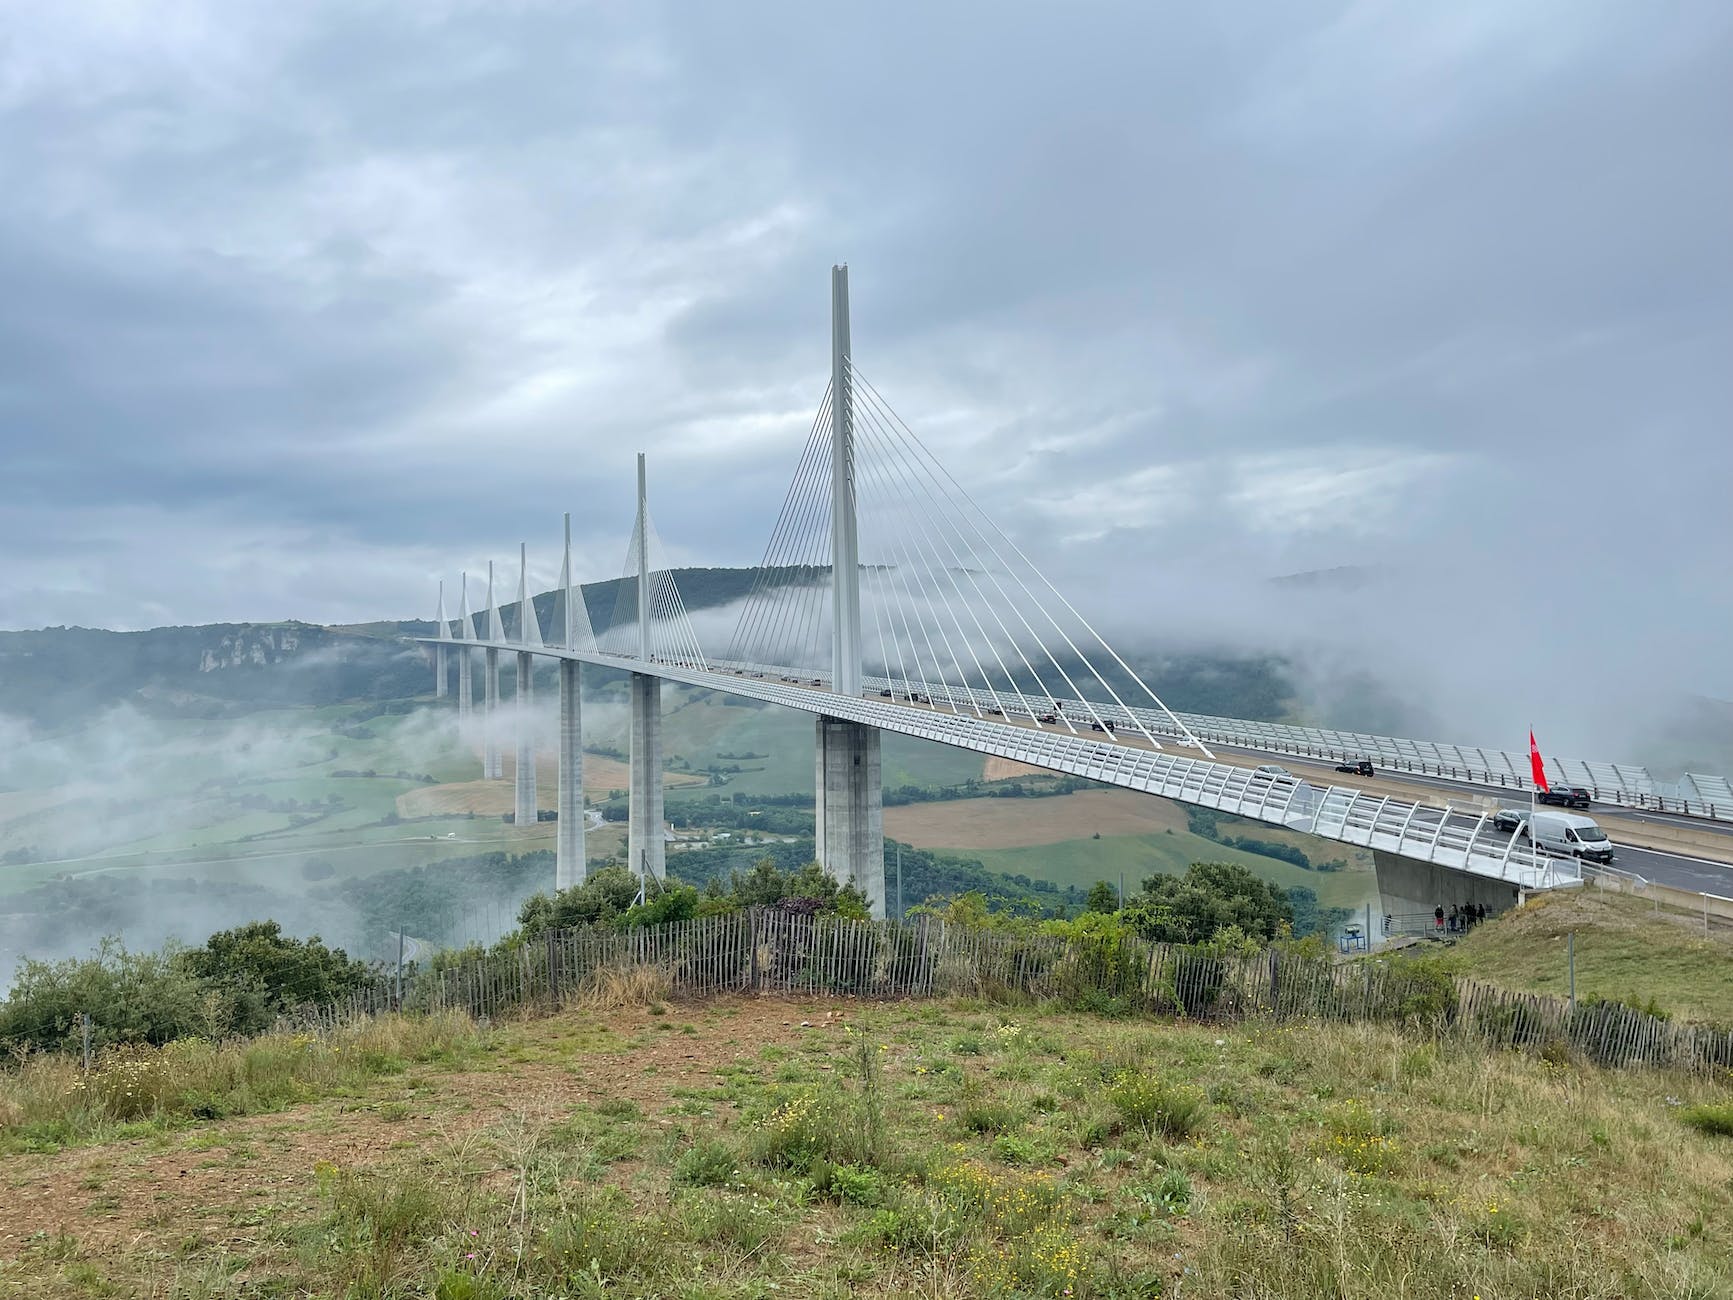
(1461, 919)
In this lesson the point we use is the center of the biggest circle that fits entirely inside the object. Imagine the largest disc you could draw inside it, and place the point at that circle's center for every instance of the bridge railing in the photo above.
(1620, 784)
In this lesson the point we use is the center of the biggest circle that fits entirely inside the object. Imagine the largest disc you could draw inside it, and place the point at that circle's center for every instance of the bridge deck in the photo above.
(1427, 832)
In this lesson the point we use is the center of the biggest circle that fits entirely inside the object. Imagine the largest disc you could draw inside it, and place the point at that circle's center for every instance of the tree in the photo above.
(1103, 897)
(1209, 897)
(811, 889)
(600, 900)
(259, 971)
(130, 997)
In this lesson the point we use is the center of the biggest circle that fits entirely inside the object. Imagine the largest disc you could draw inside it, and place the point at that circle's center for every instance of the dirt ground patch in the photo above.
(226, 1183)
(490, 798)
(1015, 823)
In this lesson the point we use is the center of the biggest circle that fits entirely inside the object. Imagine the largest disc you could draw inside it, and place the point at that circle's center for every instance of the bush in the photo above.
(1712, 1119)
(706, 1164)
(131, 998)
(1153, 1106)
(990, 1117)
(806, 1128)
(850, 1184)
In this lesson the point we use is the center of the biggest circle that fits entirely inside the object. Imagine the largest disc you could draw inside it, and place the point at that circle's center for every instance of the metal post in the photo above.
(1571, 956)
(398, 1002)
(844, 542)
(84, 1016)
(899, 881)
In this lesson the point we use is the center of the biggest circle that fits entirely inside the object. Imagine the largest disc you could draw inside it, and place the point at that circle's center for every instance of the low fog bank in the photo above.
(1464, 658)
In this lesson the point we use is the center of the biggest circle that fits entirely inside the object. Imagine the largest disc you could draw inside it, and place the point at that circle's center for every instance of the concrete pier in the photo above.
(526, 750)
(569, 866)
(645, 846)
(439, 672)
(851, 825)
(492, 764)
(465, 682)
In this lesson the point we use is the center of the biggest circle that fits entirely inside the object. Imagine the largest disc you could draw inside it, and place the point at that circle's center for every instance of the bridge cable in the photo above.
(940, 519)
(899, 537)
(755, 604)
(872, 478)
(976, 513)
(968, 608)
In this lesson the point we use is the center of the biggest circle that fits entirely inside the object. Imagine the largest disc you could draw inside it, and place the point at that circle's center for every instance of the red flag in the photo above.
(1536, 762)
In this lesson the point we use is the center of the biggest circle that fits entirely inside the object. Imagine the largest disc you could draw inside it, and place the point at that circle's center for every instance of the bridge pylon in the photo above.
(850, 839)
(569, 865)
(492, 764)
(528, 634)
(465, 657)
(444, 633)
(645, 845)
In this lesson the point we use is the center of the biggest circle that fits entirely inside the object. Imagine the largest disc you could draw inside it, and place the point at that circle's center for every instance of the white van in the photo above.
(1571, 835)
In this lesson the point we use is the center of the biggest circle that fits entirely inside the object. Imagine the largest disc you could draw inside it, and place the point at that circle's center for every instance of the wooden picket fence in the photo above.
(772, 951)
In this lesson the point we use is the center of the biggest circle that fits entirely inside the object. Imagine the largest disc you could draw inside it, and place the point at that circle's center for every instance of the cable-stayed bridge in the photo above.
(887, 600)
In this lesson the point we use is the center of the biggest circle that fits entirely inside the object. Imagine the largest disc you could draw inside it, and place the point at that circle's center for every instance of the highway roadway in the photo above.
(1640, 839)
(1683, 852)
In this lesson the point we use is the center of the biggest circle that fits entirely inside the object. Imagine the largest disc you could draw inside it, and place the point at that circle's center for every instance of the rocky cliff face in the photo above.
(250, 646)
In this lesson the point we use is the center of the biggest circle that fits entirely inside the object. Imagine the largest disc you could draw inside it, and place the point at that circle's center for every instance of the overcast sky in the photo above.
(305, 306)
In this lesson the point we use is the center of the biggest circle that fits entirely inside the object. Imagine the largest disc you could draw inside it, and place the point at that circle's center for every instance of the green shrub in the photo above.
(851, 1184)
(741, 1224)
(807, 1127)
(706, 1164)
(1152, 1106)
(989, 1117)
(1712, 1119)
(1168, 1194)
(913, 1223)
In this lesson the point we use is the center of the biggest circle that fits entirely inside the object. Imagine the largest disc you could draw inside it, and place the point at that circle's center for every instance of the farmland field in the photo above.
(1053, 839)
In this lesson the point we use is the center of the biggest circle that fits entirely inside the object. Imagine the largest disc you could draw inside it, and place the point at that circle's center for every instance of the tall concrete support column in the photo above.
(443, 631)
(851, 822)
(644, 841)
(526, 750)
(569, 866)
(465, 657)
(492, 764)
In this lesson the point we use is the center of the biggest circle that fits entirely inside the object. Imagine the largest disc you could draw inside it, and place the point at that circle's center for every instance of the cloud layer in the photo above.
(307, 306)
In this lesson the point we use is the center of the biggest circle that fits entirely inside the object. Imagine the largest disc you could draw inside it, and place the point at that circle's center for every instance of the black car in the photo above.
(1564, 796)
(1362, 767)
(1508, 819)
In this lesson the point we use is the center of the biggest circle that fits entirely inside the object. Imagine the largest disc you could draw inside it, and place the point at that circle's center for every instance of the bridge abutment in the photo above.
(644, 843)
(525, 773)
(850, 837)
(1409, 888)
(569, 866)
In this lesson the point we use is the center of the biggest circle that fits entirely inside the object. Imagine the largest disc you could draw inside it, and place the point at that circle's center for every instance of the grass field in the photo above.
(1624, 950)
(826, 1149)
(1052, 839)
